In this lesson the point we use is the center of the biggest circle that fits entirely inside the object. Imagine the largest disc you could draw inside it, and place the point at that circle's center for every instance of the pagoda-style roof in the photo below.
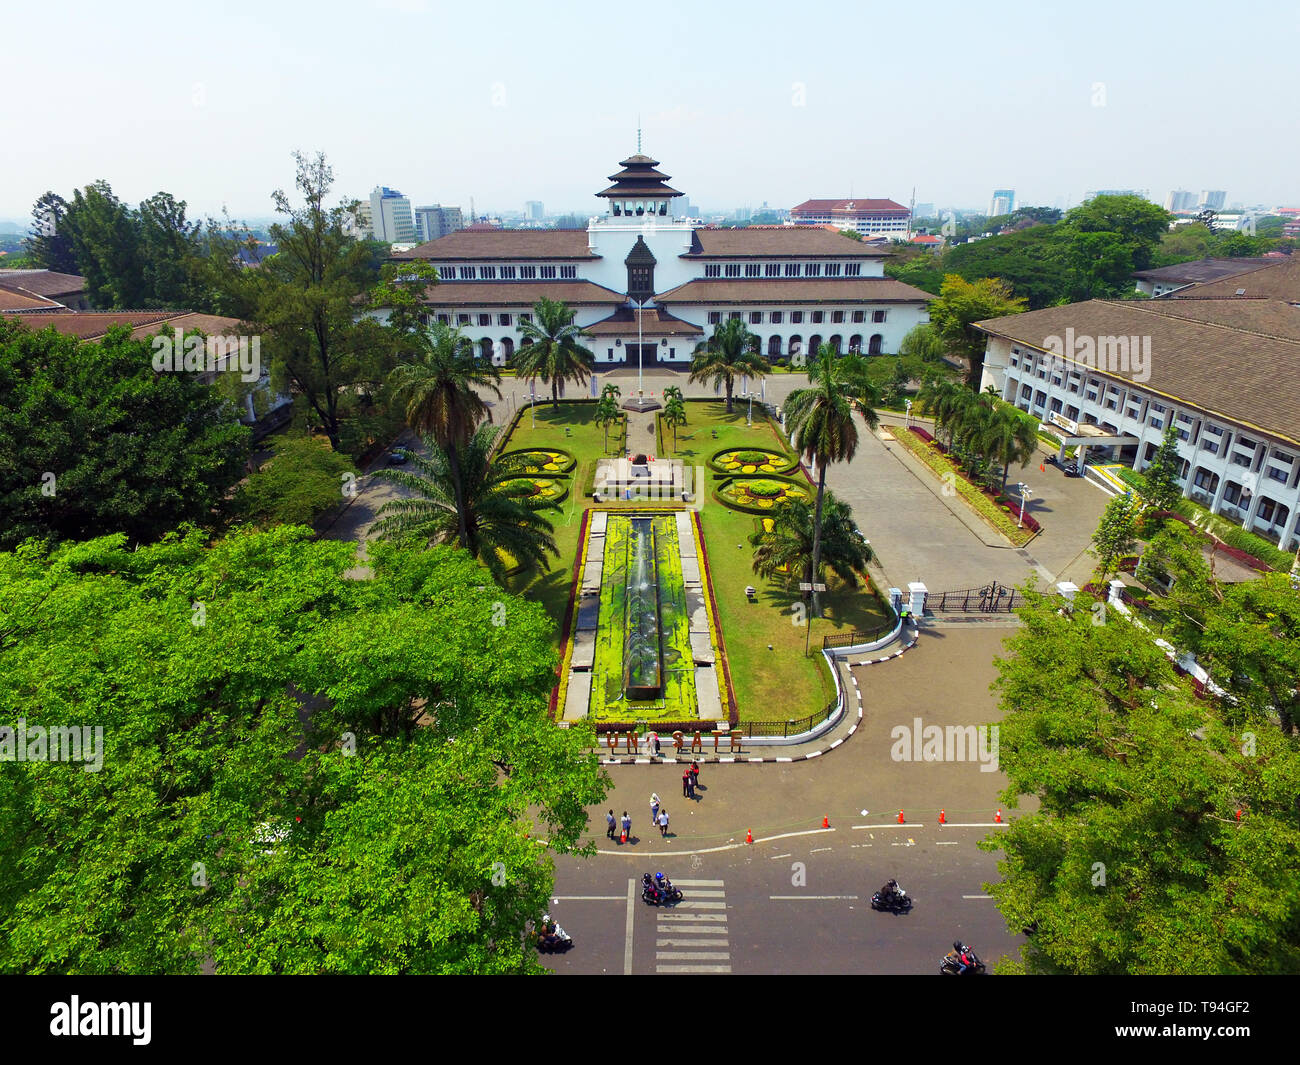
(639, 178)
(640, 255)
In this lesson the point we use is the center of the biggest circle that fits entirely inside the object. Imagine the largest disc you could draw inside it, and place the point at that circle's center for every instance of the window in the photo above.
(818, 316)
(1279, 475)
(733, 316)
(503, 319)
(852, 269)
(775, 317)
(1156, 419)
(444, 319)
(755, 317)
(861, 316)
(732, 270)
(1056, 406)
(548, 273)
(488, 273)
(1093, 385)
(462, 319)
(772, 270)
(792, 270)
(485, 319)
(527, 273)
(832, 269)
(1072, 413)
(507, 273)
(715, 317)
(467, 273)
(877, 316)
(568, 272)
(796, 317)
(525, 317)
(1040, 398)
(753, 269)
(1026, 391)
(813, 270)
(1184, 434)
(713, 270)
(609, 354)
(837, 316)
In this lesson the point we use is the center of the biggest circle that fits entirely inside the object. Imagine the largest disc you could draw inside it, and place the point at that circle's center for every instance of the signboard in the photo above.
(1058, 419)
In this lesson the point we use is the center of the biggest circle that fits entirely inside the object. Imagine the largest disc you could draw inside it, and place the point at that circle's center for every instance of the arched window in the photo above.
(855, 343)
(837, 343)
(814, 345)
(876, 345)
(507, 347)
(796, 344)
(485, 348)
(774, 347)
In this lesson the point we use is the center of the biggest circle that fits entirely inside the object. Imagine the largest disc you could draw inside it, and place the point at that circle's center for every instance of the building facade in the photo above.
(861, 216)
(390, 216)
(437, 221)
(1002, 202)
(647, 286)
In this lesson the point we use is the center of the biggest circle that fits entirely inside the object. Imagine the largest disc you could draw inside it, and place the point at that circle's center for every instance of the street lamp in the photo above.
(532, 400)
(1024, 494)
(909, 412)
(806, 586)
(640, 347)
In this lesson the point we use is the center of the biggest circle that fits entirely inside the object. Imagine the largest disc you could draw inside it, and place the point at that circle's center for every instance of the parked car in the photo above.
(397, 456)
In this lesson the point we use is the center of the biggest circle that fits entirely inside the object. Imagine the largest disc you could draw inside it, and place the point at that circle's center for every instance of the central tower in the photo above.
(639, 190)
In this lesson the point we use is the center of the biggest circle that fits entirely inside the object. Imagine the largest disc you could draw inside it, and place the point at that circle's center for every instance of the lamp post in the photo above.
(909, 412)
(1024, 494)
(640, 345)
(806, 586)
(532, 400)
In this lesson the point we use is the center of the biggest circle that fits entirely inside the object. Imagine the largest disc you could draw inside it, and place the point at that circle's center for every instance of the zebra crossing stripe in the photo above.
(693, 968)
(692, 955)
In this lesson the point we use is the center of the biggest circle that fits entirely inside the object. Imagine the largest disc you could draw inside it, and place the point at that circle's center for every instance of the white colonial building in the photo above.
(1219, 359)
(639, 266)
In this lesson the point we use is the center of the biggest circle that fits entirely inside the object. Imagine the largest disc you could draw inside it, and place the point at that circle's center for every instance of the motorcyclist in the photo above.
(664, 884)
(548, 937)
(964, 961)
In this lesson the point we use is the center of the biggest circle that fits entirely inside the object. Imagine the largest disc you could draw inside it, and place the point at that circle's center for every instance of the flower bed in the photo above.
(751, 460)
(760, 495)
(537, 491)
(551, 462)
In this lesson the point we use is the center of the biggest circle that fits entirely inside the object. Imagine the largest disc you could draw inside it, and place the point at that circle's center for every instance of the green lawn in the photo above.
(769, 685)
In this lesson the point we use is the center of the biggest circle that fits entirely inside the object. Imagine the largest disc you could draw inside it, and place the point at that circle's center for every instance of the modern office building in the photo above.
(1003, 202)
(640, 276)
(867, 217)
(390, 216)
(437, 221)
(1217, 358)
(534, 210)
(1213, 199)
(1180, 201)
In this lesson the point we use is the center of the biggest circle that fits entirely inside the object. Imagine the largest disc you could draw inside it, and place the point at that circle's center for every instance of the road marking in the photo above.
(698, 883)
(892, 824)
(689, 904)
(776, 856)
(947, 843)
(816, 849)
(696, 893)
(586, 898)
(691, 942)
(855, 846)
(977, 896)
(693, 968)
(631, 914)
(730, 846)
(677, 918)
(692, 955)
(693, 929)
(808, 898)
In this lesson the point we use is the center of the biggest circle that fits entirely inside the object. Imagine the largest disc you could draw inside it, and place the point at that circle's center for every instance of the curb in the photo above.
(737, 759)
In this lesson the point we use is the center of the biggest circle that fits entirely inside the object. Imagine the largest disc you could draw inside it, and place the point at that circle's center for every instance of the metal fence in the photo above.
(849, 639)
(992, 598)
(788, 728)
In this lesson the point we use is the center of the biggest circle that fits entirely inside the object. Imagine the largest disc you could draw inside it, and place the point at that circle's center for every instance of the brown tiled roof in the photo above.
(43, 282)
(505, 244)
(796, 290)
(518, 293)
(654, 323)
(1235, 372)
(846, 206)
(1274, 318)
(777, 242)
(90, 325)
(1200, 271)
(1278, 280)
(12, 300)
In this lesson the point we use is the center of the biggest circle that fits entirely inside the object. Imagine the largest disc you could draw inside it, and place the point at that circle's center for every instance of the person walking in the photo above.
(690, 786)
(612, 822)
(695, 773)
(663, 823)
(627, 827)
(686, 783)
(654, 808)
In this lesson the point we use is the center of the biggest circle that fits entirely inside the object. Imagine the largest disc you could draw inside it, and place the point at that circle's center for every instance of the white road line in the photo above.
(726, 846)
(627, 941)
(692, 955)
(946, 843)
(677, 918)
(776, 856)
(698, 893)
(698, 883)
(586, 898)
(808, 898)
(977, 896)
(690, 943)
(688, 904)
(693, 968)
(692, 930)
(895, 824)
(816, 849)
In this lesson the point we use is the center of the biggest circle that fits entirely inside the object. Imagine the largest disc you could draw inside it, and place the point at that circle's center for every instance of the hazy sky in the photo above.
(742, 102)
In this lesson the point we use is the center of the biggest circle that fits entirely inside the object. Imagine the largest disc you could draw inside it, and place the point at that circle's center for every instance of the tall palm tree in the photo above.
(726, 355)
(675, 415)
(1007, 439)
(554, 354)
(789, 544)
(940, 397)
(438, 388)
(607, 413)
(672, 392)
(820, 417)
(498, 515)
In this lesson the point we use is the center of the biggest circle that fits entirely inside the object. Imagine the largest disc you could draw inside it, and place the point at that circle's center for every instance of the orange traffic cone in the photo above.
(942, 819)
(622, 837)
(997, 818)
(749, 836)
(900, 817)
(826, 822)
(1042, 468)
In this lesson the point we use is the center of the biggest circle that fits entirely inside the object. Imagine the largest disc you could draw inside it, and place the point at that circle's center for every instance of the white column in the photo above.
(1289, 530)
(1218, 493)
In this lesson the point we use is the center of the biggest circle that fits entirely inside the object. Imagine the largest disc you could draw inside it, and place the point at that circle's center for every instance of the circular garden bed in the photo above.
(751, 460)
(760, 495)
(537, 491)
(550, 462)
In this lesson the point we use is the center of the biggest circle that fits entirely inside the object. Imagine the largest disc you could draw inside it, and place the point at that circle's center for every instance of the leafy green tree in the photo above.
(93, 440)
(729, 353)
(1008, 438)
(1161, 490)
(495, 515)
(1137, 221)
(960, 305)
(401, 293)
(311, 774)
(1134, 861)
(105, 239)
(1031, 262)
(820, 418)
(169, 247)
(675, 415)
(300, 483)
(787, 549)
(922, 342)
(551, 348)
(921, 271)
(439, 389)
(306, 298)
(1116, 534)
(51, 247)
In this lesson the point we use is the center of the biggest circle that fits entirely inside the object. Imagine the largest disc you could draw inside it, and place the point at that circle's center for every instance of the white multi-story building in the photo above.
(869, 217)
(436, 221)
(1002, 202)
(638, 266)
(1217, 358)
(390, 216)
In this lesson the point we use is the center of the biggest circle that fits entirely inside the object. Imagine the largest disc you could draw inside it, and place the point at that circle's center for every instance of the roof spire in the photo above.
(638, 134)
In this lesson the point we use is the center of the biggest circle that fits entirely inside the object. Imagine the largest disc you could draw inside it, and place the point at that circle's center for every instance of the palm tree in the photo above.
(607, 412)
(674, 414)
(499, 516)
(438, 387)
(673, 392)
(1009, 438)
(789, 544)
(940, 397)
(612, 390)
(551, 350)
(726, 355)
(820, 417)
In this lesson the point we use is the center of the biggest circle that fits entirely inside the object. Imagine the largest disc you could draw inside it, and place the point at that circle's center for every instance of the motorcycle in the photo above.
(659, 890)
(893, 900)
(551, 938)
(952, 963)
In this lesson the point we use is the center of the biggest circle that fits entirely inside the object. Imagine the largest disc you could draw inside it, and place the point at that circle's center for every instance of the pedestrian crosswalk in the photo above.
(691, 937)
